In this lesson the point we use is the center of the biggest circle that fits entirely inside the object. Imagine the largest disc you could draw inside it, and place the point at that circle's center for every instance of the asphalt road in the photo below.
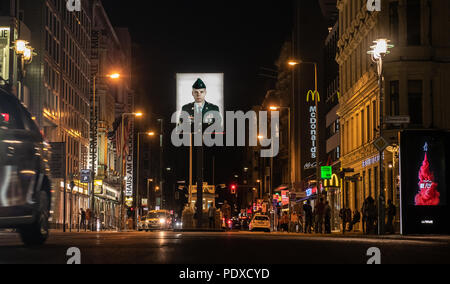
(222, 248)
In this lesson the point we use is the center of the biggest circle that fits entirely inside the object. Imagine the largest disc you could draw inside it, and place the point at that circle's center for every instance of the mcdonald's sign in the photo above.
(314, 94)
(333, 182)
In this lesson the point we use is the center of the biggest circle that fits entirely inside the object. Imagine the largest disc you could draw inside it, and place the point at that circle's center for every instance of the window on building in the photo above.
(415, 102)
(413, 22)
(363, 129)
(374, 119)
(393, 21)
(369, 131)
(375, 190)
(394, 98)
(370, 182)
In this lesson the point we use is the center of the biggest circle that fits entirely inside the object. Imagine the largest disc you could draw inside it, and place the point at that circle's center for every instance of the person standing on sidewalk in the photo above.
(320, 210)
(212, 217)
(391, 213)
(327, 216)
(308, 216)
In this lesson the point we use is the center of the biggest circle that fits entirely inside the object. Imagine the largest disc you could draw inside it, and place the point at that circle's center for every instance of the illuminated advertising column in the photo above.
(424, 168)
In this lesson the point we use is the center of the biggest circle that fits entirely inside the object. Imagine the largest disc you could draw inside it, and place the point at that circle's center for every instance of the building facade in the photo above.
(59, 79)
(13, 69)
(415, 84)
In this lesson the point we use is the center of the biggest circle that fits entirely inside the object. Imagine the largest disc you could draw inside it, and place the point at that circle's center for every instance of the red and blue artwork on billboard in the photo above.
(428, 194)
(424, 172)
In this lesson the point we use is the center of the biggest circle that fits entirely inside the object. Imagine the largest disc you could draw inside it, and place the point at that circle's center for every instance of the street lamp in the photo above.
(260, 137)
(93, 141)
(275, 108)
(133, 114)
(378, 51)
(138, 205)
(294, 63)
(161, 121)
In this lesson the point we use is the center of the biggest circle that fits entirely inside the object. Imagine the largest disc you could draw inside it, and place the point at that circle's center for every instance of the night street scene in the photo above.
(215, 140)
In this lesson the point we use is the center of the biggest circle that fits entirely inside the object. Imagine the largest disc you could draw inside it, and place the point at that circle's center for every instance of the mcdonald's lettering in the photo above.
(314, 94)
(313, 121)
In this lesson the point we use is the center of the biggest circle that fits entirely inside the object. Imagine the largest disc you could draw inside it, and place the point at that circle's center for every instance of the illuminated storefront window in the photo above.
(4, 52)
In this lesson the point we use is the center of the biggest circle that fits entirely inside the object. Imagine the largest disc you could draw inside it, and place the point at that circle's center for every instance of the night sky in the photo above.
(232, 37)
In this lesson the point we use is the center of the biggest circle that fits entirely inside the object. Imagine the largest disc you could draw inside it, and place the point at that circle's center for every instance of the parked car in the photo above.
(25, 187)
(260, 223)
(236, 223)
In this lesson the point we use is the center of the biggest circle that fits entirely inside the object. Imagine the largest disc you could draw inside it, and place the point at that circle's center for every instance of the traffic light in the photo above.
(233, 189)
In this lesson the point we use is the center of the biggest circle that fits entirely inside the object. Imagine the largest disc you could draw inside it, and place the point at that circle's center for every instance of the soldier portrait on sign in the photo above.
(201, 96)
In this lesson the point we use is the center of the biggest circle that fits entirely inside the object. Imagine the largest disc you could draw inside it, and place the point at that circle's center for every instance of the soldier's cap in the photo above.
(199, 84)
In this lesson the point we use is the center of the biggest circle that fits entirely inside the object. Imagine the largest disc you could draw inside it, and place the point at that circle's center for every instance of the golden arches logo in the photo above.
(314, 94)
(333, 182)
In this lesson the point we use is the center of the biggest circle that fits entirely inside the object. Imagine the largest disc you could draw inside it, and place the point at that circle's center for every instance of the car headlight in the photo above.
(162, 221)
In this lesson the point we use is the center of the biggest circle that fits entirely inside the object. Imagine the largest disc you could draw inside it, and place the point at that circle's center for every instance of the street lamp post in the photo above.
(378, 51)
(161, 121)
(274, 108)
(138, 204)
(260, 137)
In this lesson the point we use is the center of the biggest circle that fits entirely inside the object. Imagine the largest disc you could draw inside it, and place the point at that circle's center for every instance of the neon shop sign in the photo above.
(313, 128)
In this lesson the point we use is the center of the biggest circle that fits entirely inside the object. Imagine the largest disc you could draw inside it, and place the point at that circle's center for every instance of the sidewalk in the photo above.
(360, 235)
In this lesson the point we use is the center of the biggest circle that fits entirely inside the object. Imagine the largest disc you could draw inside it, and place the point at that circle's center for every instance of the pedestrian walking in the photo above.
(371, 216)
(308, 217)
(391, 213)
(82, 220)
(320, 210)
(364, 215)
(327, 217)
(355, 220)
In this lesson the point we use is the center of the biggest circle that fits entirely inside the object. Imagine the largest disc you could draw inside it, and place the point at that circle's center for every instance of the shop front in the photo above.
(333, 196)
(107, 206)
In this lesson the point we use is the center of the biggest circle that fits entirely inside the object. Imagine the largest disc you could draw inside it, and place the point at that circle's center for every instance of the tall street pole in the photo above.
(161, 162)
(138, 205)
(93, 152)
(378, 51)
(317, 98)
(122, 195)
(382, 200)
